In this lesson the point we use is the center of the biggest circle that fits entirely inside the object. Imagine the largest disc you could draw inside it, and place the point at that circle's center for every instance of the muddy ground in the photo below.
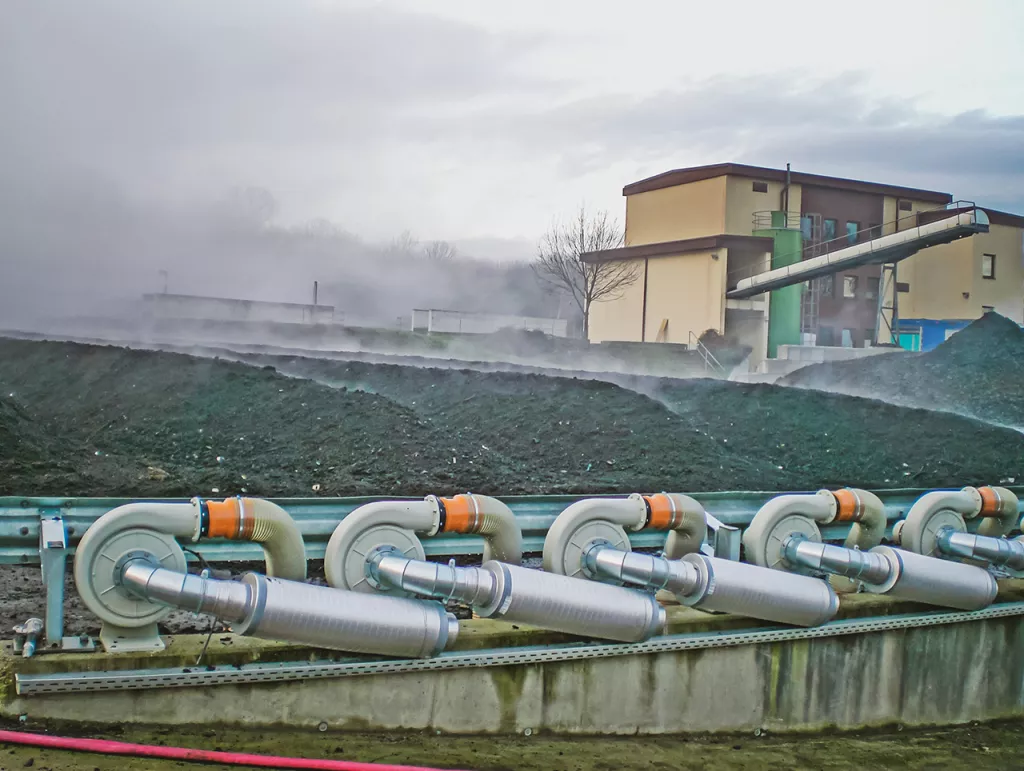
(992, 747)
(105, 421)
(979, 371)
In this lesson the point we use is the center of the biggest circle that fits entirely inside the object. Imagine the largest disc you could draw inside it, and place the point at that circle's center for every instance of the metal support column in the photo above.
(53, 555)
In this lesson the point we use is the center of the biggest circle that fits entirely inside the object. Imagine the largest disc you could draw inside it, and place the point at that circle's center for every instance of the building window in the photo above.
(828, 228)
(849, 286)
(847, 338)
(869, 337)
(988, 266)
(827, 284)
(872, 291)
(760, 187)
(851, 232)
(825, 336)
(806, 225)
(906, 206)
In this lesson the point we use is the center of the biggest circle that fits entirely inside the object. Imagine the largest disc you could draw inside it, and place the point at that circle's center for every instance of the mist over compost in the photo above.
(978, 372)
(111, 421)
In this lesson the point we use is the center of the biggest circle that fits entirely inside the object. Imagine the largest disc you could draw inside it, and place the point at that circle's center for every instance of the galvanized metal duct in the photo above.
(903, 574)
(517, 594)
(319, 616)
(714, 584)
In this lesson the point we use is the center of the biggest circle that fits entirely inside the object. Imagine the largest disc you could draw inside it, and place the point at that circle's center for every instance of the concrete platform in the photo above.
(937, 674)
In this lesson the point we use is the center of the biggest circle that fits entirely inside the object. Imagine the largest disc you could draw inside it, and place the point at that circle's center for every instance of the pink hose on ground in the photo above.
(106, 747)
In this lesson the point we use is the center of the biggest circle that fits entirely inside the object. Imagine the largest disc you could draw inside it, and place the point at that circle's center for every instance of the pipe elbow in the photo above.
(689, 525)
(487, 517)
(866, 513)
(599, 517)
(259, 521)
(1000, 510)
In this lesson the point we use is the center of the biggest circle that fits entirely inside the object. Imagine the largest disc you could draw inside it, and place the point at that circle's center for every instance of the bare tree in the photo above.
(440, 251)
(560, 261)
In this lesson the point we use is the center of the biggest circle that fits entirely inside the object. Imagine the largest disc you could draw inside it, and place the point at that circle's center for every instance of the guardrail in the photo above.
(20, 519)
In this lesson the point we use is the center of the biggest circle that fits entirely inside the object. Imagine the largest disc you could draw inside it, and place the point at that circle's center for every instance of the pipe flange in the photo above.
(570, 561)
(763, 541)
(919, 532)
(98, 575)
(353, 564)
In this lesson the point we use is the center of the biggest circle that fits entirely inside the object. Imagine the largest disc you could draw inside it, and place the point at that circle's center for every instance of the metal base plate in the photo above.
(119, 639)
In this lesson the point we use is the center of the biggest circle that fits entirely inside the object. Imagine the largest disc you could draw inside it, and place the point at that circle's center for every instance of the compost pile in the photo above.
(979, 371)
(106, 421)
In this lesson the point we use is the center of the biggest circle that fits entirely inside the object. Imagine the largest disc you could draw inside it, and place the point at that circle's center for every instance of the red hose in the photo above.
(106, 747)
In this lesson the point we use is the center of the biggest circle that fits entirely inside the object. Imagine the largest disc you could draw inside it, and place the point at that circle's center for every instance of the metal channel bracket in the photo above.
(139, 679)
(53, 556)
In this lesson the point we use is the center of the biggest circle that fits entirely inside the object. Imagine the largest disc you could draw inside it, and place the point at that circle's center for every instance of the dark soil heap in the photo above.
(132, 423)
(979, 371)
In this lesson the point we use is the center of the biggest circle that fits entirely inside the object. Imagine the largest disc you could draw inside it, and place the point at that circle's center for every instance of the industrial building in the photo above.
(771, 257)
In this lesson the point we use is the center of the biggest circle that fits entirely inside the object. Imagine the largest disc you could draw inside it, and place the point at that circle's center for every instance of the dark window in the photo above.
(872, 291)
(902, 286)
(806, 225)
(988, 266)
(826, 336)
(851, 232)
(849, 286)
(828, 228)
(906, 206)
(760, 187)
(869, 337)
(874, 231)
(827, 285)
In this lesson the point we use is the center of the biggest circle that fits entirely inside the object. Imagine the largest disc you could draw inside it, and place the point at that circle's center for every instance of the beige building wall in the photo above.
(620, 319)
(742, 202)
(689, 291)
(907, 219)
(940, 276)
(676, 213)
(1004, 293)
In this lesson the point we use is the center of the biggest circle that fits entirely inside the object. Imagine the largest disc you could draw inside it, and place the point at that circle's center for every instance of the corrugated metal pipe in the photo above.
(518, 594)
(588, 540)
(936, 526)
(397, 523)
(784, 535)
(258, 521)
(275, 609)
(714, 584)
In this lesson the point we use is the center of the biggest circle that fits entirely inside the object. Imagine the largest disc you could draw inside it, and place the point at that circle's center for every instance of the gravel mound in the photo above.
(979, 372)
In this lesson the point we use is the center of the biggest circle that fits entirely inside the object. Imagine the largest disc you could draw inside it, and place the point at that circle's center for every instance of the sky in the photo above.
(482, 122)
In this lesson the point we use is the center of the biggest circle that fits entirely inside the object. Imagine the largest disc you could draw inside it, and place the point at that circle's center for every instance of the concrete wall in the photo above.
(458, 322)
(929, 675)
(179, 306)
(675, 213)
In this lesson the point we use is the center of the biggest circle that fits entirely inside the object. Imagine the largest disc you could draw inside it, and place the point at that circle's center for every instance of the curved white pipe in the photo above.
(1000, 511)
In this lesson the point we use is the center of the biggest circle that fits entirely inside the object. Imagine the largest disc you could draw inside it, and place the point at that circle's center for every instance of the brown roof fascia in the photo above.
(672, 248)
(697, 173)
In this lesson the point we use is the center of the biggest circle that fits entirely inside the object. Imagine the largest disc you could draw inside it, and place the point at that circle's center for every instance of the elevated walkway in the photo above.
(963, 221)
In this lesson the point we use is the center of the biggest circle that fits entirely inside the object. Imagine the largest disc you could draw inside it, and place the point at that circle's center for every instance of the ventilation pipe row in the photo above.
(935, 526)
(374, 550)
(275, 609)
(589, 540)
(131, 571)
(784, 535)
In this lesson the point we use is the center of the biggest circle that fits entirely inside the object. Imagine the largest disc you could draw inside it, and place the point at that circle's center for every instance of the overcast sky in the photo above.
(481, 121)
